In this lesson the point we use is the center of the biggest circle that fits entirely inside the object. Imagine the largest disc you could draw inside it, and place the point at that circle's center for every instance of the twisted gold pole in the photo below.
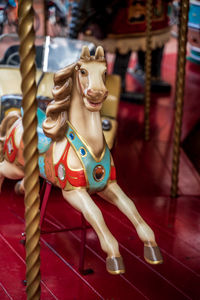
(179, 97)
(149, 9)
(32, 201)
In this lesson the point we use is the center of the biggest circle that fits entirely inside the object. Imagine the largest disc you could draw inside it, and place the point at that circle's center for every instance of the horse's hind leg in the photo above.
(81, 200)
(19, 187)
(10, 171)
(116, 196)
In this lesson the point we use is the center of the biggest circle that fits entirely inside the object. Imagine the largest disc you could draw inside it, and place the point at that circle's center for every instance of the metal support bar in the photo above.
(45, 17)
(149, 9)
(179, 97)
(45, 196)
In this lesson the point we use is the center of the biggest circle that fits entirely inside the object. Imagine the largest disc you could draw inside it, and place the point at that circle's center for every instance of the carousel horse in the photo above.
(74, 156)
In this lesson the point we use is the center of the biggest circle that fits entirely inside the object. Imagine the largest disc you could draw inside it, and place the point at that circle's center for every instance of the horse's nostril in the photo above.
(89, 92)
(95, 93)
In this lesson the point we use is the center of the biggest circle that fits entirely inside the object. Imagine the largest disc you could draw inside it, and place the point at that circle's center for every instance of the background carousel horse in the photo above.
(74, 154)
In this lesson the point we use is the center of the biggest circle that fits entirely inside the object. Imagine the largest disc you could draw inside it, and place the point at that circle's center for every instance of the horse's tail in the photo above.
(6, 124)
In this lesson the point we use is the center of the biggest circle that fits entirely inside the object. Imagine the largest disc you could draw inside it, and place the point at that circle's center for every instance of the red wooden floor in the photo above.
(143, 170)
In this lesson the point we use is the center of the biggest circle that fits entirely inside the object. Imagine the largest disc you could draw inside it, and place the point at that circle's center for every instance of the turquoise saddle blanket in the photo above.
(43, 141)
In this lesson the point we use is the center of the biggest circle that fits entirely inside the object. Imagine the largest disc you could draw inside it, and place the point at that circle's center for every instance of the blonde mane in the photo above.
(55, 124)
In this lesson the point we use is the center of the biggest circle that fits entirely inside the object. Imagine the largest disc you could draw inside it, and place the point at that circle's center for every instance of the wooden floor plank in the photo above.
(4, 295)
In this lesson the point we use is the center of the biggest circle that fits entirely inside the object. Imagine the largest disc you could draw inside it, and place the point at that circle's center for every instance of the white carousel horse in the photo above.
(74, 154)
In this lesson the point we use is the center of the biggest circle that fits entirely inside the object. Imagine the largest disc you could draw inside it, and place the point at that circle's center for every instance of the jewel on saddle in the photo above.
(83, 151)
(98, 173)
(71, 135)
(10, 146)
(61, 172)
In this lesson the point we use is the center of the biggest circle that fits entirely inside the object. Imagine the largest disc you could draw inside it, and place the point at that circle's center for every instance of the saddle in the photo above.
(43, 141)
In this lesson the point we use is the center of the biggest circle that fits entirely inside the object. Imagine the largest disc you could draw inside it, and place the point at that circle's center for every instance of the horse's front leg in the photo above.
(81, 200)
(116, 196)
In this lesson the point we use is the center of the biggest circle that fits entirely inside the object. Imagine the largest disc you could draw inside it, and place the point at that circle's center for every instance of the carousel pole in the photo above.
(32, 201)
(179, 97)
(147, 104)
(45, 17)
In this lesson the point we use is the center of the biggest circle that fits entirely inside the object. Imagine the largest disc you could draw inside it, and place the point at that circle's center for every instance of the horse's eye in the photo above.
(83, 72)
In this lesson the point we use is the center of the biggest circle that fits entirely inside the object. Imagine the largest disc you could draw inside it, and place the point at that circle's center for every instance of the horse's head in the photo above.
(90, 76)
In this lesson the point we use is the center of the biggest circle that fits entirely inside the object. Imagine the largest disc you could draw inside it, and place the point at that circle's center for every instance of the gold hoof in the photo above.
(115, 265)
(152, 255)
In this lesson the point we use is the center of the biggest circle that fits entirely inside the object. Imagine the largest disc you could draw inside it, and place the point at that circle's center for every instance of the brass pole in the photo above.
(149, 9)
(32, 201)
(45, 16)
(179, 97)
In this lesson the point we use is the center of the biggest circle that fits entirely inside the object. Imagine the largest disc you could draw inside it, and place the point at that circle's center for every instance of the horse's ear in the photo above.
(99, 52)
(85, 53)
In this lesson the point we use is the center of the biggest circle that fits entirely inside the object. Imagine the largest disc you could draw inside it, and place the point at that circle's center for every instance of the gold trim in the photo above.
(109, 173)
(72, 177)
(116, 272)
(139, 34)
(125, 43)
(87, 146)
(111, 181)
(76, 170)
(70, 187)
(154, 262)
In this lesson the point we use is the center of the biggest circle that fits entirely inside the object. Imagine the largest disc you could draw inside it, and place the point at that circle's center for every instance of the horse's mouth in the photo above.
(93, 104)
